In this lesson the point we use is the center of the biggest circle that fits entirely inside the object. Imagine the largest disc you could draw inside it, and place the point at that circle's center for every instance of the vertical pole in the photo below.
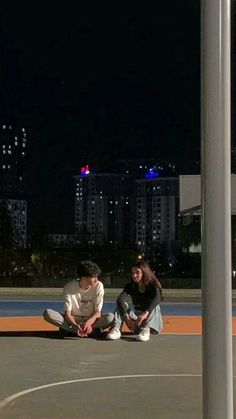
(216, 211)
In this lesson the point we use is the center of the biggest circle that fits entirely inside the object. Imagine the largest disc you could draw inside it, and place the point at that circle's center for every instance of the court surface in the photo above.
(48, 378)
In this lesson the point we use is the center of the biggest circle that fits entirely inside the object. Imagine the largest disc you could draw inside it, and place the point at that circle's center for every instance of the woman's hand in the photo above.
(131, 323)
(142, 317)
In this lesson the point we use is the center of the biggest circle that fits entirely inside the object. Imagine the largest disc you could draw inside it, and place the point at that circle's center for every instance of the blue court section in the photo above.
(22, 308)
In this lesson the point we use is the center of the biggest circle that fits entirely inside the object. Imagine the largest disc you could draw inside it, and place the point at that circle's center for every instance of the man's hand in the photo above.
(87, 327)
(79, 331)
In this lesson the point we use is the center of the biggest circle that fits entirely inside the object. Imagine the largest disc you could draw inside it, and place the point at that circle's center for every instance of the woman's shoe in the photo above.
(114, 334)
(144, 334)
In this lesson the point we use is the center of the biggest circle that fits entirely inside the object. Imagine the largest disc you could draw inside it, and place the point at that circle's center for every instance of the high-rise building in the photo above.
(156, 211)
(119, 208)
(13, 146)
(103, 208)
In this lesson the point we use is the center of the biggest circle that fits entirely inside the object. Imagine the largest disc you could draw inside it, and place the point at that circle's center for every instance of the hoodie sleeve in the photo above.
(122, 300)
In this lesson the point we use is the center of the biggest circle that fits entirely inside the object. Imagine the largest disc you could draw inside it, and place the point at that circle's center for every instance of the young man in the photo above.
(83, 301)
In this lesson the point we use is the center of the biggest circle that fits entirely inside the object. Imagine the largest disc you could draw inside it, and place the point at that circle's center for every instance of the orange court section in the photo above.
(172, 325)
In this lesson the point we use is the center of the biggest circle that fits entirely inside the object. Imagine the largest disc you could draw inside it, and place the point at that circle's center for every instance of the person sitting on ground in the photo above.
(83, 301)
(146, 294)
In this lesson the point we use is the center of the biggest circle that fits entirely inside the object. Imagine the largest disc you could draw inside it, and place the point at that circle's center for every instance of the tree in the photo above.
(191, 233)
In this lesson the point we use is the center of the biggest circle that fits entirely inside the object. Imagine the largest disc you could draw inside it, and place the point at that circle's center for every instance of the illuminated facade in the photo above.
(103, 209)
(117, 208)
(156, 211)
(13, 146)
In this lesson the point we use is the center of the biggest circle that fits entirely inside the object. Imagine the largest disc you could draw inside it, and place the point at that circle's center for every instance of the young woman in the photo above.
(146, 294)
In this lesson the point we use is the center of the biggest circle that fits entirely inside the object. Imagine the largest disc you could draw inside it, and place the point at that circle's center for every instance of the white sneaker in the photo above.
(114, 334)
(144, 335)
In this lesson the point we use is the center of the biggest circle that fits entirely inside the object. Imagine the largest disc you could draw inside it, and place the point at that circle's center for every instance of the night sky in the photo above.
(98, 82)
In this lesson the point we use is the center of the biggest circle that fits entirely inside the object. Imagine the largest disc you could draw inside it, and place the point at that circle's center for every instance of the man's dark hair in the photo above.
(88, 268)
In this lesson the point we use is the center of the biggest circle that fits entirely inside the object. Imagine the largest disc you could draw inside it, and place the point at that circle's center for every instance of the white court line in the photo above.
(9, 399)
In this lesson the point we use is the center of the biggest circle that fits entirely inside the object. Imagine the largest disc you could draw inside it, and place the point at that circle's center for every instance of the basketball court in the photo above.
(45, 377)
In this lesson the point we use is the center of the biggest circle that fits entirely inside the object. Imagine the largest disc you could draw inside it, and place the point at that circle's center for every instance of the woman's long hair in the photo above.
(149, 278)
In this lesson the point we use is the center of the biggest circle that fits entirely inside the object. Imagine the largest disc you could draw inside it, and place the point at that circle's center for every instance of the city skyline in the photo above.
(93, 85)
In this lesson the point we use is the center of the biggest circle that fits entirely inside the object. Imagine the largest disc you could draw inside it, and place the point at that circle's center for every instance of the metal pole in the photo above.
(216, 211)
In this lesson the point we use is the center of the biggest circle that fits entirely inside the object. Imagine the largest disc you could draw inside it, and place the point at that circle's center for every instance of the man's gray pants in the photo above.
(57, 319)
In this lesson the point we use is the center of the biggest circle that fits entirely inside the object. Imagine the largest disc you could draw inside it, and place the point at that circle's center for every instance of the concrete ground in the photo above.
(48, 378)
(86, 378)
(43, 377)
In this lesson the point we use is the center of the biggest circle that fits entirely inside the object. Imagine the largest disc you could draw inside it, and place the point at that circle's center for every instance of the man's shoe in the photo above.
(114, 334)
(144, 335)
